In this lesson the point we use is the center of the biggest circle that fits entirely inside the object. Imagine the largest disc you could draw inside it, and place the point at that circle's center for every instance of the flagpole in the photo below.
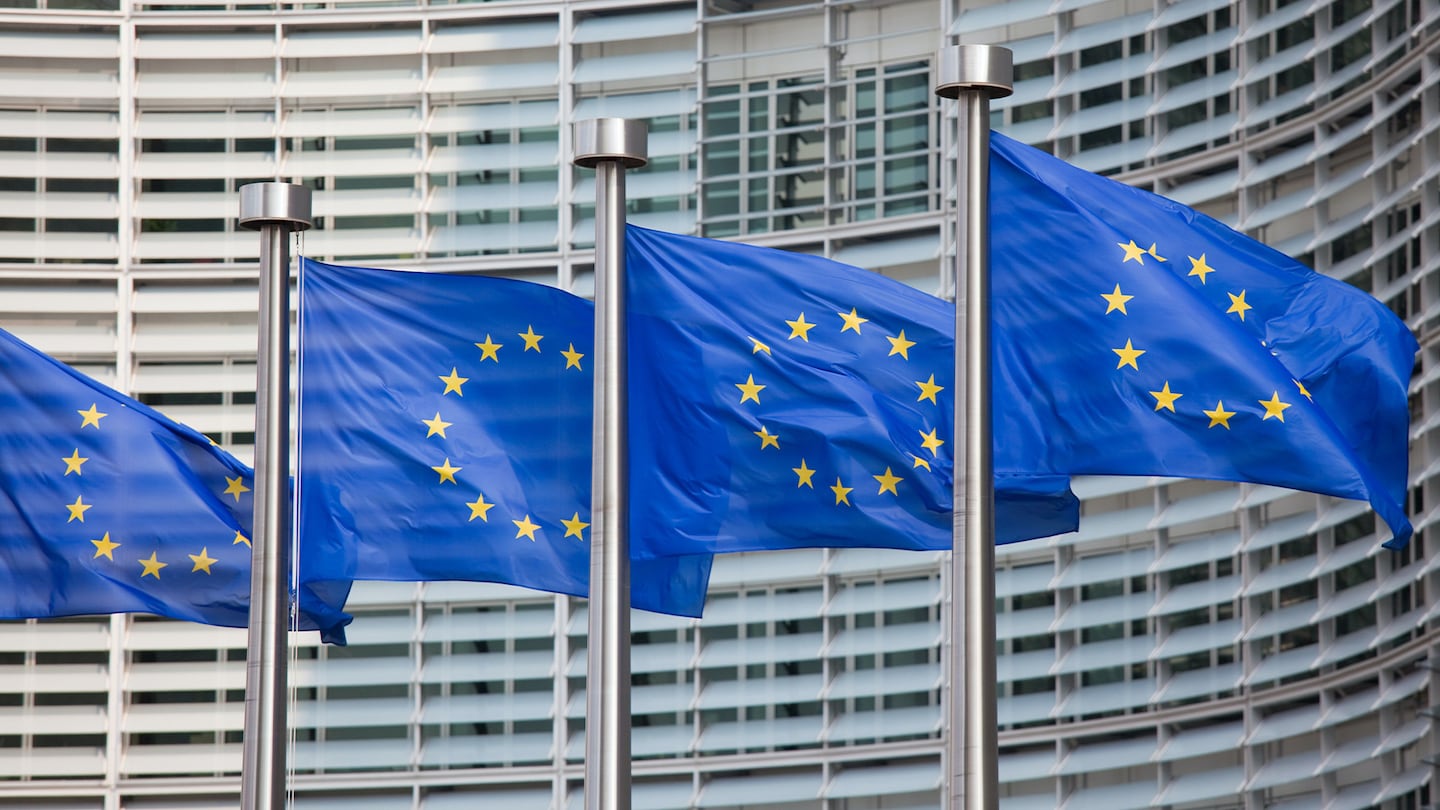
(973, 74)
(275, 210)
(610, 146)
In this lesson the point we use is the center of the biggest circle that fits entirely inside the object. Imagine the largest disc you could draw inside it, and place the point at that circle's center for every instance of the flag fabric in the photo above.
(108, 506)
(792, 401)
(445, 434)
(1135, 336)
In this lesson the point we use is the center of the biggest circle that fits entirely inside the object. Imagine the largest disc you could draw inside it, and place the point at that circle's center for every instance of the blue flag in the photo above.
(445, 434)
(793, 401)
(1135, 336)
(107, 506)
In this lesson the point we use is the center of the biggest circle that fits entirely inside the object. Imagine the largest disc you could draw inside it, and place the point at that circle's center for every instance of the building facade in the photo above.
(1194, 645)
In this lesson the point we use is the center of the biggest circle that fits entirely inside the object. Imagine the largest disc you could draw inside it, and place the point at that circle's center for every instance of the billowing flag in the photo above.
(445, 434)
(792, 401)
(107, 506)
(1134, 336)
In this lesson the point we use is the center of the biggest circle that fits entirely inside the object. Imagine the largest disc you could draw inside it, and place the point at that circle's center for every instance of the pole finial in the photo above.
(990, 68)
(264, 204)
(620, 139)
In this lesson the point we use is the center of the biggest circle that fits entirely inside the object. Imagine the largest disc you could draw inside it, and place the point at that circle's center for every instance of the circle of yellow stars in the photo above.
(1129, 355)
(887, 482)
(490, 350)
(105, 546)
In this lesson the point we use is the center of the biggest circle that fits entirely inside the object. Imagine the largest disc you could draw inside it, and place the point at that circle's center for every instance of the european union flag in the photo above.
(445, 433)
(1135, 336)
(792, 401)
(107, 506)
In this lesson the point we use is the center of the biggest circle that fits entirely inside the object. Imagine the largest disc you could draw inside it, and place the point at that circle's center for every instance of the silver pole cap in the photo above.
(264, 204)
(619, 139)
(988, 68)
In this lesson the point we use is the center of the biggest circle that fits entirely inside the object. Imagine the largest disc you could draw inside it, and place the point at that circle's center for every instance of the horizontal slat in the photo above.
(60, 246)
(210, 44)
(359, 42)
(238, 83)
(71, 44)
(488, 78)
(205, 125)
(672, 64)
(55, 124)
(343, 83)
(352, 123)
(498, 36)
(647, 25)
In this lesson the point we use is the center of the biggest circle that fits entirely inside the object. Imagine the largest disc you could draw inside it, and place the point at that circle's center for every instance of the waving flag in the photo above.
(791, 401)
(1134, 336)
(107, 506)
(445, 433)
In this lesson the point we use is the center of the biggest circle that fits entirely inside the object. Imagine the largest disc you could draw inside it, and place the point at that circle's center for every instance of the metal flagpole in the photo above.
(973, 74)
(610, 146)
(276, 210)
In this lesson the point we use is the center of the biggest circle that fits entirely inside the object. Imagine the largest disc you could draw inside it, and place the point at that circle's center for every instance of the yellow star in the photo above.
(899, 345)
(453, 383)
(532, 340)
(1303, 392)
(1164, 398)
(920, 462)
(489, 349)
(1156, 256)
(930, 441)
(929, 389)
(799, 328)
(768, 439)
(77, 509)
(574, 526)
(888, 482)
(805, 474)
(437, 425)
(842, 493)
(202, 561)
(104, 546)
(1274, 407)
(73, 462)
(572, 357)
(235, 486)
(524, 528)
(240, 538)
(1117, 300)
(1128, 355)
(1133, 252)
(152, 567)
(1238, 305)
(447, 473)
(749, 390)
(479, 508)
(91, 417)
(1198, 267)
(759, 347)
(852, 320)
(1220, 416)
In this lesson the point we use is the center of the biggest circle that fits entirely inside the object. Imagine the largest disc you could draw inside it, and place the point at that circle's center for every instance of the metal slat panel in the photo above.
(495, 36)
(648, 25)
(303, 44)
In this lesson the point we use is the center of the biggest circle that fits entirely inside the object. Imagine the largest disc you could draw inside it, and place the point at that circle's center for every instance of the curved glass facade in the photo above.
(1195, 645)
